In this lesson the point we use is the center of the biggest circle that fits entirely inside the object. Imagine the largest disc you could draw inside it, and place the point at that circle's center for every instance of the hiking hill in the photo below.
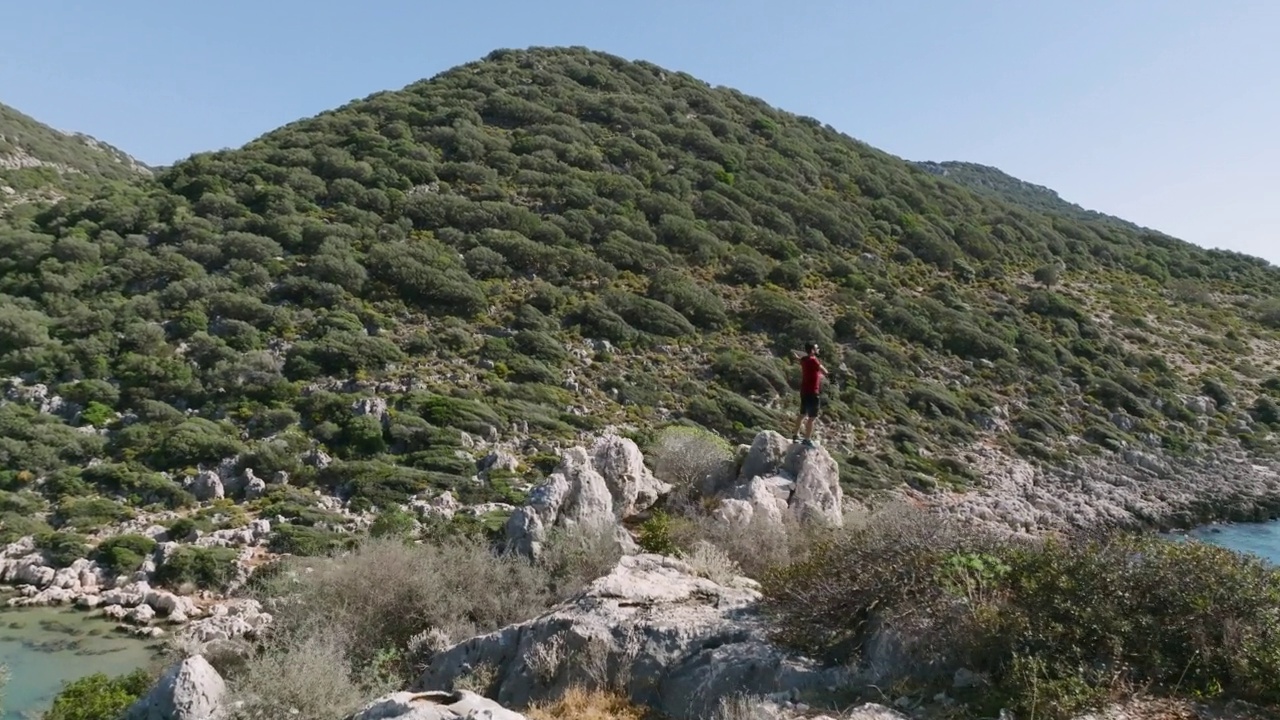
(545, 243)
(38, 163)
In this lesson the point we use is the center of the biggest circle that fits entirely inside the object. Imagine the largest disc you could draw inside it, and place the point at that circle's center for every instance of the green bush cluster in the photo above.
(1052, 627)
(240, 302)
(209, 568)
(99, 696)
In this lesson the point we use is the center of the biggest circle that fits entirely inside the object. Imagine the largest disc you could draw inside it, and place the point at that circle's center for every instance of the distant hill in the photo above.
(39, 162)
(552, 241)
(997, 183)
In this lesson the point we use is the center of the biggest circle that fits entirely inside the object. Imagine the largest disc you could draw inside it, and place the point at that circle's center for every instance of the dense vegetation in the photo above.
(558, 239)
(1046, 629)
(993, 182)
(40, 164)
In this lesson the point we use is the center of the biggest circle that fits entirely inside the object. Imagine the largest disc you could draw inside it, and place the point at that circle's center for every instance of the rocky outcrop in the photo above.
(671, 639)
(190, 690)
(632, 486)
(206, 486)
(1137, 488)
(459, 705)
(593, 489)
(228, 620)
(778, 478)
(131, 599)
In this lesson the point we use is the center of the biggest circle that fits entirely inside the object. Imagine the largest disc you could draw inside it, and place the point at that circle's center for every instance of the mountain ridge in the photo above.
(546, 243)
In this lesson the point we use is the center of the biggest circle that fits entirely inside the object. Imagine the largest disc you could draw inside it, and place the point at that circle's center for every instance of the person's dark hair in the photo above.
(810, 347)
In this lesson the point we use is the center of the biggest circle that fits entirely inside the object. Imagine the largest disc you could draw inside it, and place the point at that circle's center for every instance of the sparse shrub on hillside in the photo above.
(124, 554)
(209, 568)
(240, 302)
(456, 588)
(1058, 626)
(304, 674)
(61, 549)
(579, 703)
(1269, 313)
(687, 456)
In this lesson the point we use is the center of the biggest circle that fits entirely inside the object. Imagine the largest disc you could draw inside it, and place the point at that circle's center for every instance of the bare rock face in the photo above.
(632, 486)
(672, 639)
(459, 705)
(206, 485)
(190, 690)
(778, 477)
(595, 489)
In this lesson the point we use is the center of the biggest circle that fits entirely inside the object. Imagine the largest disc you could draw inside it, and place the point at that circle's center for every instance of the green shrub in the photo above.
(89, 513)
(14, 526)
(702, 307)
(209, 568)
(308, 541)
(62, 548)
(744, 372)
(686, 456)
(655, 535)
(123, 554)
(97, 696)
(1058, 626)
(648, 315)
(392, 522)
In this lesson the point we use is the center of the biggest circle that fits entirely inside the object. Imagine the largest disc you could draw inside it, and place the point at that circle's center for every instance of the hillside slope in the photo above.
(987, 180)
(39, 163)
(547, 242)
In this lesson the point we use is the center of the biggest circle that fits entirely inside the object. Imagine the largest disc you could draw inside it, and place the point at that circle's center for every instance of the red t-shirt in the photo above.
(809, 378)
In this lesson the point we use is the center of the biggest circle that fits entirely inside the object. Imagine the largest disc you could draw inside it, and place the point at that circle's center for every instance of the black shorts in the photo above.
(809, 405)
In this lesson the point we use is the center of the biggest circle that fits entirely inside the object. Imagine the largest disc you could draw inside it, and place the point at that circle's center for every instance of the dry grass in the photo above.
(580, 704)
(306, 677)
(386, 593)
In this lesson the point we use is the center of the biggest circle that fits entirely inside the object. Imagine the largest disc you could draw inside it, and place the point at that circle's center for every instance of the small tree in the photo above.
(1046, 275)
(1269, 314)
(685, 456)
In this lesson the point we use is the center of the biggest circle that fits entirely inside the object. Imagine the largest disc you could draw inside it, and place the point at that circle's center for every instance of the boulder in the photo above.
(206, 485)
(765, 456)
(459, 705)
(632, 486)
(589, 489)
(779, 477)
(669, 638)
(499, 459)
(817, 496)
(228, 620)
(574, 496)
(190, 690)
(254, 488)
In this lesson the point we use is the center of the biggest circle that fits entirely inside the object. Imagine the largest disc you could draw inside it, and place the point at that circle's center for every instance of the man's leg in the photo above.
(811, 415)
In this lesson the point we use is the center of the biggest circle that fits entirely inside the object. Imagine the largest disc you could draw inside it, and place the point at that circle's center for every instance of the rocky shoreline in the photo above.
(676, 635)
(1136, 490)
(1131, 490)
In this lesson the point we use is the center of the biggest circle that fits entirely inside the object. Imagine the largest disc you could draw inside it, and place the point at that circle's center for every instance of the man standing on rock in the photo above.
(811, 374)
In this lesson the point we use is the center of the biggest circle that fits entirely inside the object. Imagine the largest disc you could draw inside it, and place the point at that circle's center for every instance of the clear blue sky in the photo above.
(1164, 112)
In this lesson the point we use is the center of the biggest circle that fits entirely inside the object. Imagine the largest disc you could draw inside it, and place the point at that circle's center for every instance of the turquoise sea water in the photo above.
(45, 647)
(1262, 539)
